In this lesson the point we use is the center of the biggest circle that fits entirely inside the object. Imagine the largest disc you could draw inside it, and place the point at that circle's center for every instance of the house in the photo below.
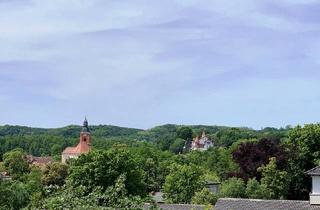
(84, 145)
(39, 161)
(5, 176)
(256, 204)
(201, 143)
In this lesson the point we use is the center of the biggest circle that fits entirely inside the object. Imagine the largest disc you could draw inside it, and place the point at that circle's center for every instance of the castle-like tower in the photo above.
(201, 143)
(84, 145)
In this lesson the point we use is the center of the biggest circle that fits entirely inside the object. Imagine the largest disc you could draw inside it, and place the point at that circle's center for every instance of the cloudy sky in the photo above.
(142, 63)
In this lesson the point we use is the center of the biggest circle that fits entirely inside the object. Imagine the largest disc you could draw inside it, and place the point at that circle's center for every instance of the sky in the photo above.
(142, 63)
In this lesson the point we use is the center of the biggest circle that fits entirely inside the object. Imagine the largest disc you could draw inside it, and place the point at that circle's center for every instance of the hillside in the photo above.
(44, 141)
(70, 131)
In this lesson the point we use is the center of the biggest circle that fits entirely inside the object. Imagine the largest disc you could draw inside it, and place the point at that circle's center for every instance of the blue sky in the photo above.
(143, 63)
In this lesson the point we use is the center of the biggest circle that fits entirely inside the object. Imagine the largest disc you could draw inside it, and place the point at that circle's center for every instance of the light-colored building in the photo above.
(201, 143)
(315, 191)
(84, 145)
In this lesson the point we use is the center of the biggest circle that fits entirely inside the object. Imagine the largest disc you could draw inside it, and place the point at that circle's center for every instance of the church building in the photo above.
(84, 145)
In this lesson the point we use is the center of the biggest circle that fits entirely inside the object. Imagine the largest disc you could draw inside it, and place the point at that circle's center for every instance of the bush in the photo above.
(204, 197)
(233, 188)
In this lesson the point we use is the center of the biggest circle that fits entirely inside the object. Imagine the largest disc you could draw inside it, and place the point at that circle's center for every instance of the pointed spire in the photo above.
(203, 134)
(85, 127)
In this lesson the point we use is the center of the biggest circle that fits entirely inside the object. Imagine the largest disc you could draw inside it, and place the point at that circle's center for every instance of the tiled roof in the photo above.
(39, 160)
(314, 171)
(177, 207)
(255, 204)
(81, 148)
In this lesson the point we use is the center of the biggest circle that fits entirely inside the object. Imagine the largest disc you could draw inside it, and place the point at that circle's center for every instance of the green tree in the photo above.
(233, 188)
(33, 184)
(55, 174)
(114, 197)
(204, 197)
(15, 163)
(55, 150)
(275, 180)
(256, 190)
(182, 182)
(102, 168)
(303, 146)
(220, 161)
(177, 146)
(184, 133)
(13, 195)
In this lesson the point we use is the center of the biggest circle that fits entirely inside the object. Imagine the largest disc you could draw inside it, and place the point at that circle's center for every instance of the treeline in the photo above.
(43, 142)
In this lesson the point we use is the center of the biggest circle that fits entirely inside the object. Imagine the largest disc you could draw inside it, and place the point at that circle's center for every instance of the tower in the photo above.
(85, 135)
(84, 145)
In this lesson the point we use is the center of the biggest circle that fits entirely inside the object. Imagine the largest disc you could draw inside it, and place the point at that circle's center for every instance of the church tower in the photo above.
(83, 147)
(85, 135)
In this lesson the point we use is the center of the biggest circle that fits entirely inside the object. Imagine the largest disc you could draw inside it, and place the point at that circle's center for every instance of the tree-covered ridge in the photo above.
(70, 131)
(52, 141)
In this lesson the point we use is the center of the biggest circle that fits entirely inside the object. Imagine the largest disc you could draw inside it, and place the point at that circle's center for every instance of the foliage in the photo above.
(220, 161)
(303, 145)
(15, 163)
(13, 195)
(55, 174)
(255, 190)
(101, 169)
(182, 183)
(204, 197)
(184, 133)
(275, 180)
(251, 155)
(113, 197)
(33, 183)
(233, 188)
(177, 146)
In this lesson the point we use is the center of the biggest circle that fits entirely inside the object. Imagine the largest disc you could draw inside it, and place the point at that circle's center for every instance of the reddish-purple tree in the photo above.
(251, 155)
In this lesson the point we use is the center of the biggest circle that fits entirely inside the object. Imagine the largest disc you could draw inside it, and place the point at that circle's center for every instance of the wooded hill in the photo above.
(44, 141)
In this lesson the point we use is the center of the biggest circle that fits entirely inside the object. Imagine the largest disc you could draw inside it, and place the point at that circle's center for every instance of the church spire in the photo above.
(85, 127)
(203, 133)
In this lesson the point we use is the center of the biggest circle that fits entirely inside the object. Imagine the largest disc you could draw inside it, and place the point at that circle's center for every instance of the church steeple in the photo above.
(85, 127)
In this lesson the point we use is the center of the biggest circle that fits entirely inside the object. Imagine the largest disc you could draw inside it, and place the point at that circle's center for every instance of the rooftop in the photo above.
(255, 204)
(82, 147)
(177, 206)
(314, 172)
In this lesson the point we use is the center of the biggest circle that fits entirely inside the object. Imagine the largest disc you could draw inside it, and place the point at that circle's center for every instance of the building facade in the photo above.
(201, 143)
(84, 145)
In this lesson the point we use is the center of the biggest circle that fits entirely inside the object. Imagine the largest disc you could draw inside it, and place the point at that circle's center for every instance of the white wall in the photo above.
(315, 184)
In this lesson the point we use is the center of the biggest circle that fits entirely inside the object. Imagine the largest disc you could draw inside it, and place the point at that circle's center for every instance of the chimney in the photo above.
(315, 192)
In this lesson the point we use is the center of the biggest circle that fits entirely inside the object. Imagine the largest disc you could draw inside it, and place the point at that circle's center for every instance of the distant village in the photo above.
(199, 143)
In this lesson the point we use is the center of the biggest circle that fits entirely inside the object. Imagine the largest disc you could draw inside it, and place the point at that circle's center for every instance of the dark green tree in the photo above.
(177, 146)
(184, 133)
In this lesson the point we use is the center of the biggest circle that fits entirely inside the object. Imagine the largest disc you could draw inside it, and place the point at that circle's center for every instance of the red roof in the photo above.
(39, 160)
(82, 147)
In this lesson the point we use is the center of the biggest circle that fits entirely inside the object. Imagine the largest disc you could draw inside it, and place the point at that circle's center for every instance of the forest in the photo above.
(127, 165)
